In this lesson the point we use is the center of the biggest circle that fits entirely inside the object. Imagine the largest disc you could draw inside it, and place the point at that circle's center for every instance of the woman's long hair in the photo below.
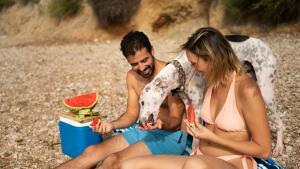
(210, 45)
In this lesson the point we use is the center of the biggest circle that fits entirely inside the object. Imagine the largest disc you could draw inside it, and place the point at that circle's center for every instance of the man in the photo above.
(162, 137)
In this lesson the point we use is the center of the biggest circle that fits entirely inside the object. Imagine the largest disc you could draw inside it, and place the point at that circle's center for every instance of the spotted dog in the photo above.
(179, 78)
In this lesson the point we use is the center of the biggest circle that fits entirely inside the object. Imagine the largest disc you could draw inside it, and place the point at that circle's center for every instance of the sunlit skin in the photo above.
(142, 63)
(198, 63)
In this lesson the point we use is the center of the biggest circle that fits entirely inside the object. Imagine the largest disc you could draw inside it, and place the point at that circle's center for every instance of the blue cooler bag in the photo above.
(75, 136)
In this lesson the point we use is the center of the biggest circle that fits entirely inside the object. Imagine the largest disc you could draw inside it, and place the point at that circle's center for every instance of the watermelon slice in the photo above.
(95, 122)
(191, 116)
(85, 101)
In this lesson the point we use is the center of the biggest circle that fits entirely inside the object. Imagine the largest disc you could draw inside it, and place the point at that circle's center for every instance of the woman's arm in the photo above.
(255, 115)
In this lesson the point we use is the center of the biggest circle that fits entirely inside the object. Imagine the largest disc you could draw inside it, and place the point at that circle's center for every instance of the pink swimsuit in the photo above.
(229, 119)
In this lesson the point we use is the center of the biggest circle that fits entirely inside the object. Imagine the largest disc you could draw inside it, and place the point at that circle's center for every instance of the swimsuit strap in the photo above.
(244, 162)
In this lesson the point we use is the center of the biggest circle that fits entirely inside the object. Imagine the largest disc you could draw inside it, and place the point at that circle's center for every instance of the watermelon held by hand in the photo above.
(86, 101)
(191, 116)
(95, 122)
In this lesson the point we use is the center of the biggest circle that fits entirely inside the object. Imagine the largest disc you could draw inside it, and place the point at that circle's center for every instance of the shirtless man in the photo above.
(161, 137)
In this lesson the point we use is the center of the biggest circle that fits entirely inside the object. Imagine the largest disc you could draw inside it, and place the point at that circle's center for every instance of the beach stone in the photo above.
(36, 78)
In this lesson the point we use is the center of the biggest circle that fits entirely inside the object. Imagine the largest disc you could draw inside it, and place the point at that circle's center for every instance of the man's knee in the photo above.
(112, 158)
(195, 162)
(112, 161)
(89, 150)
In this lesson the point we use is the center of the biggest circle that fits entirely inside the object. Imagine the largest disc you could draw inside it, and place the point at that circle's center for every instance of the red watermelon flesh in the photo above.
(191, 116)
(82, 102)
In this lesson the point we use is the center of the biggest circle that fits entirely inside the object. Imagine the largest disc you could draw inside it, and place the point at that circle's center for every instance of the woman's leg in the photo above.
(176, 162)
(155, 162)
(206, 162)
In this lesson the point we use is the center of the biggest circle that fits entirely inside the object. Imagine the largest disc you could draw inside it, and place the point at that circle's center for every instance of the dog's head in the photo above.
(168, 79)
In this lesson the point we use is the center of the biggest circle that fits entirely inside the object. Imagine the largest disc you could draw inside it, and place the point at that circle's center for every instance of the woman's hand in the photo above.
(200, 131)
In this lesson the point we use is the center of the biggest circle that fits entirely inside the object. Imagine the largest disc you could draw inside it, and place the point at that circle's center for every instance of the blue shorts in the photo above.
(158, 141)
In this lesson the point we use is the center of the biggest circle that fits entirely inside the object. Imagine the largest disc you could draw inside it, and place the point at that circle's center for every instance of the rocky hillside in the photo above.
(153, 17)
(158, 18)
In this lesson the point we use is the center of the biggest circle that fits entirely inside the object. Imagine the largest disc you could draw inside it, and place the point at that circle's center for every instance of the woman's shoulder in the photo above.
(247, 87)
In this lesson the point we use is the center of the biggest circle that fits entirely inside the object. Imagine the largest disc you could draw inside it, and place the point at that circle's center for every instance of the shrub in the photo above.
(175, 13)
(114, 12)
(5, 4)
(63, 8)
(26, 2)
(264, 11)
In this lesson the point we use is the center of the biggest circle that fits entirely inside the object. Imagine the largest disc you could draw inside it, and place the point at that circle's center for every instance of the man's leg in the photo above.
(153, 143)
(113, 161)
(95, 153)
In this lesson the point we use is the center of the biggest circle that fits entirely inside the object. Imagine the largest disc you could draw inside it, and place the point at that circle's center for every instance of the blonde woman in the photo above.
(236, 126)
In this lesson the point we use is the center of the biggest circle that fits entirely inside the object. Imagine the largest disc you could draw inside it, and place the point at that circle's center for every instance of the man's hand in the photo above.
(103, 127)
(151, 126)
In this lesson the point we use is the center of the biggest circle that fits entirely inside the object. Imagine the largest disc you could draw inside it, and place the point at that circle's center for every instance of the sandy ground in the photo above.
(36, 78)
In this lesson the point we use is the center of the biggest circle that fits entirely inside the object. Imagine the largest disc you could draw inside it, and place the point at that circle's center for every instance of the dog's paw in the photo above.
(277, 150)
(279, 143)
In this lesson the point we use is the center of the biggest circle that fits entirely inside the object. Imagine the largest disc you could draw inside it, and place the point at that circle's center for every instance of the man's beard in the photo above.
(149, 69)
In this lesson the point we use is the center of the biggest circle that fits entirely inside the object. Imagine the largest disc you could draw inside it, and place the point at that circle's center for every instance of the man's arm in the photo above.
(172, 119)
(132, 111)
(131, 114)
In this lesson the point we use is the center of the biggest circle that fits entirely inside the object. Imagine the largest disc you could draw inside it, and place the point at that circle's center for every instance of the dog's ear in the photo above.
(249, 69)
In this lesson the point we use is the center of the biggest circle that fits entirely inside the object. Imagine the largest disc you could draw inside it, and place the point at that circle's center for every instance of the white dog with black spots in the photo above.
(253, 53)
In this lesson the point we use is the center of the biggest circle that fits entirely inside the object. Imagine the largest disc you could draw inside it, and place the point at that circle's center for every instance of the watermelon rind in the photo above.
(75, 109)
(84, 111)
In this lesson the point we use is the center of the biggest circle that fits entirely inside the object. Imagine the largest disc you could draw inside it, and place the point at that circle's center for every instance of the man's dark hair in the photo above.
(133, 42)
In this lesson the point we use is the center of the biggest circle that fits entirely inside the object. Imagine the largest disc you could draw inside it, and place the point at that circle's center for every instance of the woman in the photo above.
(236, 125)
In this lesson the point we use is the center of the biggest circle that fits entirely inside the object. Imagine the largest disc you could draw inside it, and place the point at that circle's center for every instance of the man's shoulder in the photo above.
(133, 79)
(161, 61)
(161, 64)
(131, 75)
